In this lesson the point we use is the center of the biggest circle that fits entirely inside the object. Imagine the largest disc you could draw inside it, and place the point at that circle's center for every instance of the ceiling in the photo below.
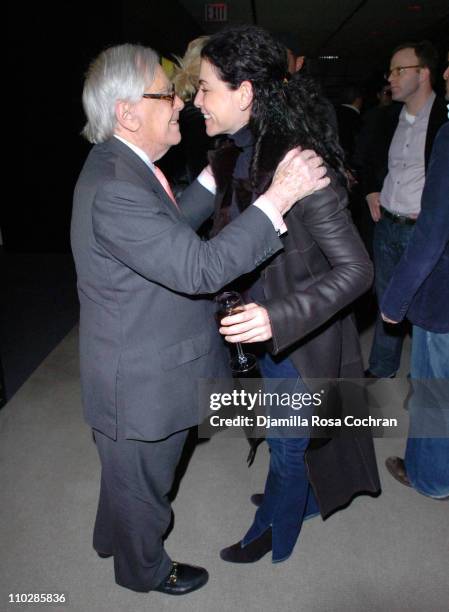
(352, 29)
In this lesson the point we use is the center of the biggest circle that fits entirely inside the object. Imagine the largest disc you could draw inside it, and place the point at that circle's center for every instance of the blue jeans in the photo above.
(427, 459)
(390, 241)
(288, 496)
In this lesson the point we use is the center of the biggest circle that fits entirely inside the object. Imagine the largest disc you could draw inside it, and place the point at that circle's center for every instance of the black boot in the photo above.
(250, 553)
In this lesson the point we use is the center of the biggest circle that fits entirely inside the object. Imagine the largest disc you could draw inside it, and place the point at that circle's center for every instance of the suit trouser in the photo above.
(133, 510)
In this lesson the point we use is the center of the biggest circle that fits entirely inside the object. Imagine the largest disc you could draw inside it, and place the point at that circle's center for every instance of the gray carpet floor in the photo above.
(385, 554)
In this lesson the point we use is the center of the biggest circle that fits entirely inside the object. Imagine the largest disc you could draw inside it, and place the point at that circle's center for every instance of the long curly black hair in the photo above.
(287, 110)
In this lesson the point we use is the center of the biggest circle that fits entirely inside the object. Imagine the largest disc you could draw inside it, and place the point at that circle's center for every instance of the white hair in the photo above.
(118, 73)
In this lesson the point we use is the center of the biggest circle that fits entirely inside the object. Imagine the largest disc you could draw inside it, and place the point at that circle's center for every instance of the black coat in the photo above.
(309, 287)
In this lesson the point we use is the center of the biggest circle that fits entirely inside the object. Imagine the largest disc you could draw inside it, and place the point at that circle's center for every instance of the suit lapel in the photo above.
(144, 172)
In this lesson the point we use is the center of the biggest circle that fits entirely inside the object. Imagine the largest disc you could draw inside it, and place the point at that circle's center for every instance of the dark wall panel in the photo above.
(50, 46)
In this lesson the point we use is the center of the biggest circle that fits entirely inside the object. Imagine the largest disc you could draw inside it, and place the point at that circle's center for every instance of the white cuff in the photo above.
(206, 178)
(267, 207)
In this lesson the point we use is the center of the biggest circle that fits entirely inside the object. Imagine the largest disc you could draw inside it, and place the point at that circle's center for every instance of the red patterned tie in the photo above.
(163, 181)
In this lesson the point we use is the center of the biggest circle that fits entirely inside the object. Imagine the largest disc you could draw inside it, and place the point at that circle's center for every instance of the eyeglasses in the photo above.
(170, 97)
(399, 70)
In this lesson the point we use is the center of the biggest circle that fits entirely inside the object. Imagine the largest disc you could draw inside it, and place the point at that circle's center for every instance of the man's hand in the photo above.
(373, 200)
(298, 174)
(251, 324)
(387, 320)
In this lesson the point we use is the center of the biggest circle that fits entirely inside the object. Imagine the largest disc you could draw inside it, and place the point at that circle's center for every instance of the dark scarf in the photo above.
(231, 166)
(242, 194)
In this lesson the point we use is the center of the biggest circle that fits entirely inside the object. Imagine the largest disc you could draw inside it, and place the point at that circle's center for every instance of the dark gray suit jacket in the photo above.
(147, 331)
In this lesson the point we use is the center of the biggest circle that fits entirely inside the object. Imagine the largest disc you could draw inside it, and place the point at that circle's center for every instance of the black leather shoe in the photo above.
(103, 555)
(396, 467)
(183, 579)
(250, 553)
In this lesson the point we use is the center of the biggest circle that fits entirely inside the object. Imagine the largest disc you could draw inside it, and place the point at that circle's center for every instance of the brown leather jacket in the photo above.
(309, 285)
(309, 288)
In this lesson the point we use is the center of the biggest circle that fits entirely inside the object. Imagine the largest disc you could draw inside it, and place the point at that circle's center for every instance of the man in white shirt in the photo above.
(419, 290)
(396, 167)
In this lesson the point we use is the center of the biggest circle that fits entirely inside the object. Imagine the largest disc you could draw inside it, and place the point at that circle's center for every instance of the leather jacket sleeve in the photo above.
(334, 271)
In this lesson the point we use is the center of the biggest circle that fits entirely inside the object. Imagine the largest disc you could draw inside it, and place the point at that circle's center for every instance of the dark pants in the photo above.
(390, 242)
(133, 510)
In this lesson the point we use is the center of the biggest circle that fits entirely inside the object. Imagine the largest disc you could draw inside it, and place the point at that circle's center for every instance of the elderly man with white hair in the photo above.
(145, 281)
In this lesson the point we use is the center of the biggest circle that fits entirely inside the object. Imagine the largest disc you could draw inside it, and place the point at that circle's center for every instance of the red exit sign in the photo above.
(218, 11)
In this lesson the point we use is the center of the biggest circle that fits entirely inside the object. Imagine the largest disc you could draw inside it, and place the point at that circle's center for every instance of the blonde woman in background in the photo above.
(186, 76)
(183, 163)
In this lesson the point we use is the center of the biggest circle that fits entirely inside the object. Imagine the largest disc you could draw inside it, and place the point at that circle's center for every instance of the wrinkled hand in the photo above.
(298, 174)
(251, 324)
(373, 200)
(387, 320)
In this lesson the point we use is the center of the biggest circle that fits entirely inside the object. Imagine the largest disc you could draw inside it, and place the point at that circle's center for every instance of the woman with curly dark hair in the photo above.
(298, 302)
